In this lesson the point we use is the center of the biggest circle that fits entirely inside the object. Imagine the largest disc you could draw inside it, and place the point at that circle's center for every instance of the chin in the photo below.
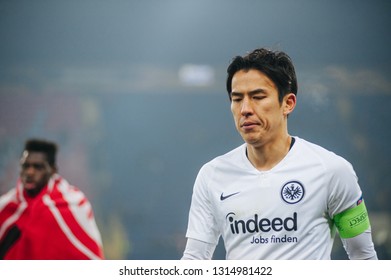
(252, 142)
(249, 137)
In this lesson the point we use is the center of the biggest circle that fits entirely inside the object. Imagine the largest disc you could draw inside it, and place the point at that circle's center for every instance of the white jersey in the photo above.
(283, 213)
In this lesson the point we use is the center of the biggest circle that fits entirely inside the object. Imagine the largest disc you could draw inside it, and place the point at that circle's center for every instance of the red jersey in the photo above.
(57, 224)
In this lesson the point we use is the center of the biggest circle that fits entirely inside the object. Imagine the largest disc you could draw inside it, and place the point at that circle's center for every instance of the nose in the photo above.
(246, 109)
(29, 171)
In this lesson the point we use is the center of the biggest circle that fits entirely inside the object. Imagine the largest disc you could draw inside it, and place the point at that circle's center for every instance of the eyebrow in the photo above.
(253, 92)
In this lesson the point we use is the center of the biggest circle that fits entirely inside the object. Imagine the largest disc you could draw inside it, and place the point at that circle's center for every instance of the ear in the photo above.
(289, 103)
(54, 169)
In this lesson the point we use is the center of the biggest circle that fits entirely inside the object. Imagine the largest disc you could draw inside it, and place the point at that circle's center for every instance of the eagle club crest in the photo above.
(292, 192)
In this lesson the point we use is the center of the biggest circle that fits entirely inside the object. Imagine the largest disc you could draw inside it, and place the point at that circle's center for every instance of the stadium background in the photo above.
(134, 93)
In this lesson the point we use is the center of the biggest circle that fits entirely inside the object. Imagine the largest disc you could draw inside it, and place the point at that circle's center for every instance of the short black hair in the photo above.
(44, 146)
(277, 65)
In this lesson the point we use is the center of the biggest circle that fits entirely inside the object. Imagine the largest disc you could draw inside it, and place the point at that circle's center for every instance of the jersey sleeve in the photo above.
(198, 250)
(360, 247)
(346, 203)
(202, 225)
(344, 188)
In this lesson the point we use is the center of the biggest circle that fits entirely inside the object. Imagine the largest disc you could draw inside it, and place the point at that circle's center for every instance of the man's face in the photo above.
(259, 116)
(35, 171)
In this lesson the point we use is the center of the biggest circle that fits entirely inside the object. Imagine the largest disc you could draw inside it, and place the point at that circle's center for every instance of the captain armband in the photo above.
(353, 221)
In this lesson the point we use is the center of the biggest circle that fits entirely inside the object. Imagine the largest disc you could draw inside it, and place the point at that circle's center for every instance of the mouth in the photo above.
(249, 125)
(29, 185)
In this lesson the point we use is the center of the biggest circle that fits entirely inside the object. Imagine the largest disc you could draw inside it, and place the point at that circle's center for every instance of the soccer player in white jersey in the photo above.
(276, 196)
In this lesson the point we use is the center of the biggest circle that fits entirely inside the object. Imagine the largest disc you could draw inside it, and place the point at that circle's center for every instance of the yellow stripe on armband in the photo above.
(353, 221)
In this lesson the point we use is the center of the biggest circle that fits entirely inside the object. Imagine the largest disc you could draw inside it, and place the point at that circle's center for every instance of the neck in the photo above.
(34, 192)
(265, 157)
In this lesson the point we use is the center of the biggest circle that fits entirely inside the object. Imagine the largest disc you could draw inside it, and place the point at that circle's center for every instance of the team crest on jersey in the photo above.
(292, 192)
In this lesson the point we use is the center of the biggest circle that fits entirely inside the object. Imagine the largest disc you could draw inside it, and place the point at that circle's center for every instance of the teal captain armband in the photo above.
(353, 221)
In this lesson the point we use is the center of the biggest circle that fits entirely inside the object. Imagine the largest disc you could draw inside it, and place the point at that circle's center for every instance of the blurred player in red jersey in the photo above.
(44, 217)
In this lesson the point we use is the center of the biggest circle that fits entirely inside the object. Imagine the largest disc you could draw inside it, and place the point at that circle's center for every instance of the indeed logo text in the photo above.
(257, 224)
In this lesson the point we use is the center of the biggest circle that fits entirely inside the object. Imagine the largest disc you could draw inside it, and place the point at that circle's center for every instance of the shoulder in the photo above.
(229, 157)
(338, 175)
(220, 168)
(227, 160)
(328, 159)
(62, 190)
(8, 197)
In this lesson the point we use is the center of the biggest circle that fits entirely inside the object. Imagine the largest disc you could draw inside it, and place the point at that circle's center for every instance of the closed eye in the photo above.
(259, 97)
(235, 97)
